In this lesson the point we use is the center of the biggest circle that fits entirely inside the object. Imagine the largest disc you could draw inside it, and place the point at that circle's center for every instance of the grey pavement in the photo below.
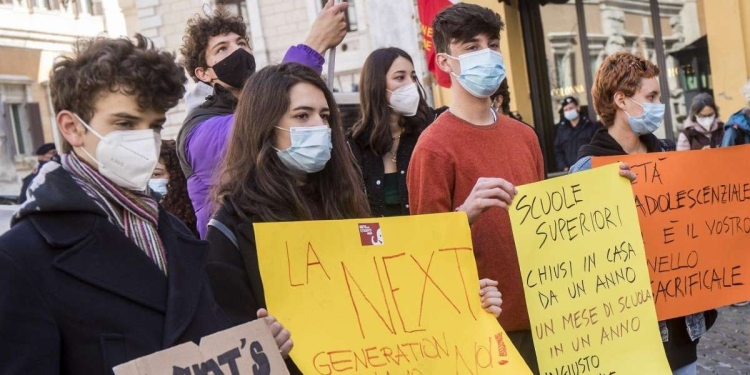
(725, 349)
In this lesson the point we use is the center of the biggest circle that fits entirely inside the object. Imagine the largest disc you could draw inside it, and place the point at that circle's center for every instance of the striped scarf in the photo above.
(135, 213)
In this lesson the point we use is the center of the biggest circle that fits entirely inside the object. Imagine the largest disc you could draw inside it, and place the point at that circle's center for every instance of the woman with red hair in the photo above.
(626, 96)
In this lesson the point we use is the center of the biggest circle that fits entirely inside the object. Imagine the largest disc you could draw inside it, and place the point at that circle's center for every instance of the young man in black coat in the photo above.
(93, 272)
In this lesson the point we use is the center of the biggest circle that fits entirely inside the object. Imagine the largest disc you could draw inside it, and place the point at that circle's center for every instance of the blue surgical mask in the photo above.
(649, 121)
(482, 72)
(310, 149)
(158, 185)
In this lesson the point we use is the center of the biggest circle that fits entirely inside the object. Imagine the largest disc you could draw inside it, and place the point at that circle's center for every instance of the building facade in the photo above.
(552, 49)
(32, 34)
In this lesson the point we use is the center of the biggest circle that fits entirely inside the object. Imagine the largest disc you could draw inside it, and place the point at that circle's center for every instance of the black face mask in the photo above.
(236, 68)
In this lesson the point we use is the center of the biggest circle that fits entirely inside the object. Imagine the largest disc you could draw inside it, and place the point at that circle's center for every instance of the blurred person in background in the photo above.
(573, 131)
(737, 128)
(501, 102)
(170, 184)
(44, 154)
(702, 127)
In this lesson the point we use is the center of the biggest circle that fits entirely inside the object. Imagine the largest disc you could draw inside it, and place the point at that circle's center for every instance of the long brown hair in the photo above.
(255, 182)
(177, 201)
(373, 129)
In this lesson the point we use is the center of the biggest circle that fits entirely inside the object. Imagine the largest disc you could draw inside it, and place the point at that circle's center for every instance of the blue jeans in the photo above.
(690, 369)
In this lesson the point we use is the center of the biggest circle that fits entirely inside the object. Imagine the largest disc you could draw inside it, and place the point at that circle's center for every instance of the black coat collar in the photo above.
(98, 253)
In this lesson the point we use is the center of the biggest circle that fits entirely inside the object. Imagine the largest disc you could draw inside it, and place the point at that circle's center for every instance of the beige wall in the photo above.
(728, 30)
(285, 23)
(26, 62)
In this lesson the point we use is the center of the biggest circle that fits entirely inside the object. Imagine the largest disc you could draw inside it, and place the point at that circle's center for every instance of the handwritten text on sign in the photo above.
(585, 276)
(382, 296)
(694, 209)
(247, 349)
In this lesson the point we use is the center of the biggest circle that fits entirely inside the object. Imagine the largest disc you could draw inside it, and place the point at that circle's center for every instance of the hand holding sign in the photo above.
(492, 299)
(282, 336)
(627, 173)
(488, 193)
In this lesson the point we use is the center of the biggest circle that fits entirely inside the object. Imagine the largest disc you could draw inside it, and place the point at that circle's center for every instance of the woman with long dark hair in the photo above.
(394, 114)
(287, 161)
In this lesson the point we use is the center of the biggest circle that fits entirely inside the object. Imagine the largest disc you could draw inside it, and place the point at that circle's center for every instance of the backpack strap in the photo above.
(224, 230)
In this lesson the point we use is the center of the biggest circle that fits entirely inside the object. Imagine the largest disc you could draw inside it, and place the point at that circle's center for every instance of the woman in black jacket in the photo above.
(394, 114)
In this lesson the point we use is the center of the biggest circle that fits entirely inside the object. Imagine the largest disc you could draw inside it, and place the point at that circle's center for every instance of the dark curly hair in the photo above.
(462, 22)
(101, 65)
(200, 29)
(177, 201)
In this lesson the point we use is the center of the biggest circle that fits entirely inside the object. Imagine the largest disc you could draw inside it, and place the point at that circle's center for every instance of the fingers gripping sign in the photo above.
(282, 336)
(488, 193)
(492, 299)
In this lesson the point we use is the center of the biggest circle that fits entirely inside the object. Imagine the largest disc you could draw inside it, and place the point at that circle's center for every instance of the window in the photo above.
(236, 8)
(565, 68)
(20, 135)
(351, 14)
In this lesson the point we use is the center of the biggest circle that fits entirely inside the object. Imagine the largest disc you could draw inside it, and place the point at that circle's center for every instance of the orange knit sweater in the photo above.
(449, 158)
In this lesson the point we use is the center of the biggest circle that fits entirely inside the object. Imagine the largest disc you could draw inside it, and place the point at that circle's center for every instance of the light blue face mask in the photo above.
(482, 72)
(159, 185)
(649, 121)
(310, 150)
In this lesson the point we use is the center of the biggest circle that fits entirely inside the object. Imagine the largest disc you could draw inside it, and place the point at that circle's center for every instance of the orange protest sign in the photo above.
(694, 211)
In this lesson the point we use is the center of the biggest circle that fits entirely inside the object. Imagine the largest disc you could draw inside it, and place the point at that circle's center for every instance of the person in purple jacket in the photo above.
(215, 52)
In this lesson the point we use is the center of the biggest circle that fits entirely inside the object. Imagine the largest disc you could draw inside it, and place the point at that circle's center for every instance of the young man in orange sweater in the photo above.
(470, 159)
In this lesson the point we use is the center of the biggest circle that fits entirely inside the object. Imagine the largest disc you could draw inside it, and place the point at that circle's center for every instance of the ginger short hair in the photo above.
(620, 72)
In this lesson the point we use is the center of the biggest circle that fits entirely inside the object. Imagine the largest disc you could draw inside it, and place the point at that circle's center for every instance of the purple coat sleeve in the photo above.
(305, 55)
(205, 147)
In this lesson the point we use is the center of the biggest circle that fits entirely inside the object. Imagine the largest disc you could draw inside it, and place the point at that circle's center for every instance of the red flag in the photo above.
(428, 9)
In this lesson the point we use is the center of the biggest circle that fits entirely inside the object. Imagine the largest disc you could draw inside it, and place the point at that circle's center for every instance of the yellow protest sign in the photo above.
(382, 296)
(585, 276)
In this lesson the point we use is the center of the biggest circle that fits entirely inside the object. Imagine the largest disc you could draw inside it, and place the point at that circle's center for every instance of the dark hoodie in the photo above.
(79, 297)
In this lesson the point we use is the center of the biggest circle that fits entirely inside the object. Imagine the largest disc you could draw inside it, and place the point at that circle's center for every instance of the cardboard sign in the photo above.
(585, 276)
(247, 349)
(694, 210)
(382, 296)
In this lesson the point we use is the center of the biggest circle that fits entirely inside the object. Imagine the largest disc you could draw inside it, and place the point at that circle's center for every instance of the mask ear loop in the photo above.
(86, 126)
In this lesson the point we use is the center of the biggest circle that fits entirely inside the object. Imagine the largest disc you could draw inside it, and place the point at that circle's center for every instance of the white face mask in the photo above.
(126, 157)
(706, 122)
(405, 100)
(310, 149)
(571, 115)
